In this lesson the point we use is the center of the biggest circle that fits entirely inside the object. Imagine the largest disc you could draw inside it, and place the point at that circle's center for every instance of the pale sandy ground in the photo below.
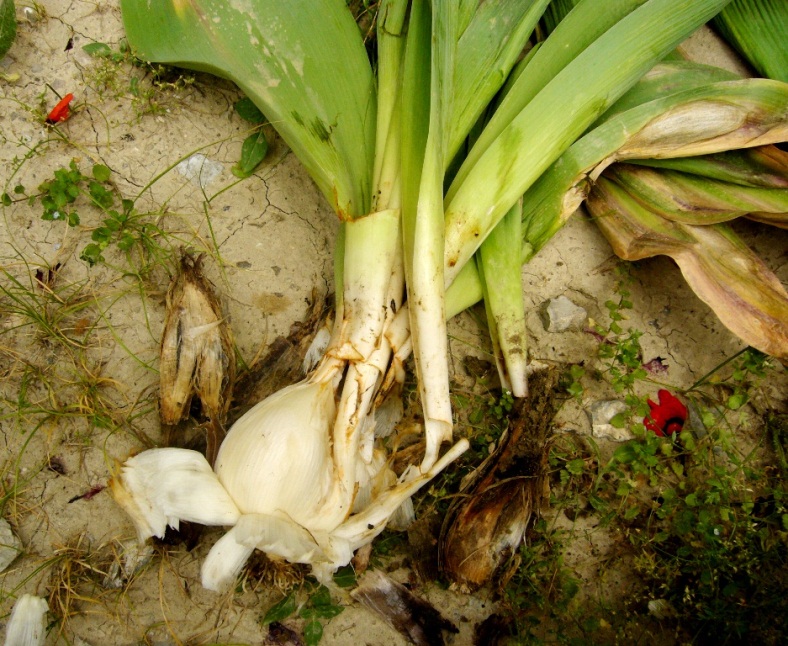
(274, 234)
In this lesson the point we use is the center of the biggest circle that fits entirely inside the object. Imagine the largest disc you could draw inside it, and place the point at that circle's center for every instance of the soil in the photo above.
(77, 402)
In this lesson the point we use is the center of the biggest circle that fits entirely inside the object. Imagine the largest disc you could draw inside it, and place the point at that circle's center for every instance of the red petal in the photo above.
(668, 416)
(61, 111)
(672, 405)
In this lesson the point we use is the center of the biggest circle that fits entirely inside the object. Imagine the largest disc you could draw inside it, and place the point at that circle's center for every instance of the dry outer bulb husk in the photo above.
(414, 618)
(487, 522)
(197, 355)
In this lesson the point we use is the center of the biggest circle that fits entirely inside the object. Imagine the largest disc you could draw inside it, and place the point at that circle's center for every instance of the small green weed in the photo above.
(111, 76)
(70, 191)
(702, 520)
(312, 603)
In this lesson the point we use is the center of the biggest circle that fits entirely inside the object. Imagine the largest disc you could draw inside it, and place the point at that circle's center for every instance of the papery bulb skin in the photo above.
(276, 459)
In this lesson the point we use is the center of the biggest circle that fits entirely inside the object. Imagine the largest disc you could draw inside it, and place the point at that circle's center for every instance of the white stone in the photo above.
(560, 314)
(600, 413)
(200, 170)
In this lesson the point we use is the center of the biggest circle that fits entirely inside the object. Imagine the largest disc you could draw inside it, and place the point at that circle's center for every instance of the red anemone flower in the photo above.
(61, 111)
(667, 417)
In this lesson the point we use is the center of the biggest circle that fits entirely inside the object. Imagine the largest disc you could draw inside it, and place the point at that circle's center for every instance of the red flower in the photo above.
(667, 417)
(61, 111)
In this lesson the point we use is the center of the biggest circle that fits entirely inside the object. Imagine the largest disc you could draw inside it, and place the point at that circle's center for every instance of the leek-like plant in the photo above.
(302, 476)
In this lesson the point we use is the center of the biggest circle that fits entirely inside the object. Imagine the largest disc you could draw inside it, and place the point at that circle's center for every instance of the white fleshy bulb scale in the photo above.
(277, 459)
(161, 487)
(27, 626)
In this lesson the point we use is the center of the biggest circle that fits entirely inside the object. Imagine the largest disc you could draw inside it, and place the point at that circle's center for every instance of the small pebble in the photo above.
(560, 314)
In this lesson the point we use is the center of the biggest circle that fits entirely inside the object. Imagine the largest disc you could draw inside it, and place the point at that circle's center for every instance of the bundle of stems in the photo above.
(304, 476)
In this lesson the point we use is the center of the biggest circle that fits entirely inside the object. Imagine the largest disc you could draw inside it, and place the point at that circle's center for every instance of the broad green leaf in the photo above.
(313, 633)
(7, 25)
(320, 597)
(101, 172)
(499, 261)
(253, 152)
(345, 577)
(97, 50)
(488, 48)
(280, 610)
(302, 62)
(248, 111)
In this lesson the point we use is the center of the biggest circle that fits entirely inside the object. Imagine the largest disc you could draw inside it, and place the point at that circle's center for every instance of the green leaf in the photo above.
(632, 512)
(626, 453)
(6, 199)
(101, 235)
(126, 242)
(313, 633)
(7, 25)
(320, 597)
(253, 151)
(345, 577)
(737, 400)
(575, 389)
(280, 610)
(101, 196)
(575, 467)
(248, 111)
(597, 503)
(101, 172)
(97, 50)
(91, 254)
(619, 420)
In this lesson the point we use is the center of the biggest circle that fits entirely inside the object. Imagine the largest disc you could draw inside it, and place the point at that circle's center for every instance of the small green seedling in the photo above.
(70, 190)
(255, 146)
(317, 607)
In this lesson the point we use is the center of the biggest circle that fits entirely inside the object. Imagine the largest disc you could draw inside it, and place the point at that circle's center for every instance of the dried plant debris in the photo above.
(197, 356)
(411, 616)
(282, 363)
(489, 519)
(281, 635)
